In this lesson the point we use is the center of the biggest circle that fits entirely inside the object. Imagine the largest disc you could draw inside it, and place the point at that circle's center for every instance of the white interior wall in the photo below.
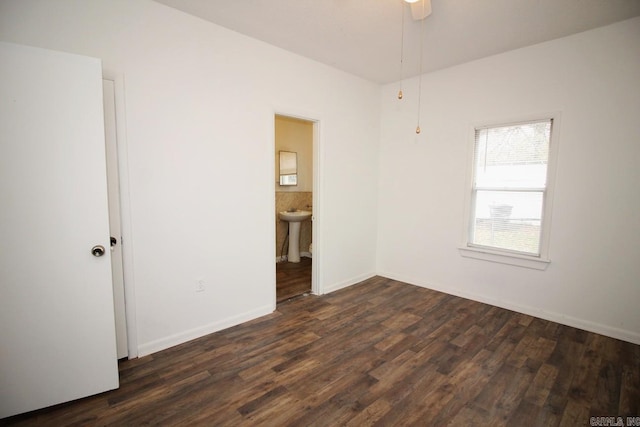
(200, 103)
(592, 79)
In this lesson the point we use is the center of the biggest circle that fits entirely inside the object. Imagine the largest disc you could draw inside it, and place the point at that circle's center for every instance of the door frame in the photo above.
(317, 287)
(118, 80)
(113, 195)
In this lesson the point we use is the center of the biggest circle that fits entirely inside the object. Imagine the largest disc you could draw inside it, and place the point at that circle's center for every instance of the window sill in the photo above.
(505, 258)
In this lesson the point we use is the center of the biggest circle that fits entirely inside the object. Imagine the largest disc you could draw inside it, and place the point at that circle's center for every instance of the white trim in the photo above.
(125, 211)
(349, 282)
(302, 254)
(271, 276)
(504, 258)
(545, 236)
(507, 257)
(537, 118)
(563, 319)
(317, 272)
(182, 337)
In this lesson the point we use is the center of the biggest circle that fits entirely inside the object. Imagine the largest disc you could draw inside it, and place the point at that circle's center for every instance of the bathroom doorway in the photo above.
(294, 198)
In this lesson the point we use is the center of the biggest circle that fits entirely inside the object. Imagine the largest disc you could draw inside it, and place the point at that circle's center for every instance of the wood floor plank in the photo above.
(540, 387)
(381, 353)
(369, 415)
(293, 279)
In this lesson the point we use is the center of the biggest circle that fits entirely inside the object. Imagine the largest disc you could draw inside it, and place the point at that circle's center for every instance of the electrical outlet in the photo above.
(200, 285)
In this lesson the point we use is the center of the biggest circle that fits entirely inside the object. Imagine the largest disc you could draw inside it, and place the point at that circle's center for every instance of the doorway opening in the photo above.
(295, 161)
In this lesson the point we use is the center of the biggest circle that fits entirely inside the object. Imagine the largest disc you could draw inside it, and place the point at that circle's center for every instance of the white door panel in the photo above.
(57, 335)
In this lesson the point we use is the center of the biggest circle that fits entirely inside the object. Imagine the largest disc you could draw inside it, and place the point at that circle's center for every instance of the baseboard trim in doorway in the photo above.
(302, 254)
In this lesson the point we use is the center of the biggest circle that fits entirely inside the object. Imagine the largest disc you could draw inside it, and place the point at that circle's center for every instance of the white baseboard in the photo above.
(302, 254)
(587, 325)
(340, 285)
(182, 337)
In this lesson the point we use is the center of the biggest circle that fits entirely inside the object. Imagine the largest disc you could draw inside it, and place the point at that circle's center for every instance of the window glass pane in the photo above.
(508, 220)
(512, 156)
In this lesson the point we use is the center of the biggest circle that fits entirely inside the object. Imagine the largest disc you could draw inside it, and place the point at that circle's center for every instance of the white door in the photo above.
(113, 186)
(57, 334)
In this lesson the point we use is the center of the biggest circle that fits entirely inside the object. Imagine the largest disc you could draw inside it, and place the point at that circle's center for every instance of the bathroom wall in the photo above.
(294, 135)
(297, 136)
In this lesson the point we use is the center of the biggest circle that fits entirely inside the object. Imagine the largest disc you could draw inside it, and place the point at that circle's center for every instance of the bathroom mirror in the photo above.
(288, 168)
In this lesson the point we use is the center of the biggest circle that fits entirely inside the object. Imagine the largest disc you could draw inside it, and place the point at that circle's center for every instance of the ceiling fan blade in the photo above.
(418, 11)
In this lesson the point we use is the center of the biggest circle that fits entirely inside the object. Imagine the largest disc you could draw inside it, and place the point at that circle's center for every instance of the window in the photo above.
(508, 210)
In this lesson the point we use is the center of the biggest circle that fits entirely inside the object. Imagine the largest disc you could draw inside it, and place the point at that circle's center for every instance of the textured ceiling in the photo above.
(363, 37)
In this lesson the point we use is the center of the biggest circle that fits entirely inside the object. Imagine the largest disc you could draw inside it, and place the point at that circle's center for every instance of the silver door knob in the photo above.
(97, 250)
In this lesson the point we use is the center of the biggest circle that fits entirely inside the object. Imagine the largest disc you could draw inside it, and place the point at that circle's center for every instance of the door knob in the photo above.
(97, 250)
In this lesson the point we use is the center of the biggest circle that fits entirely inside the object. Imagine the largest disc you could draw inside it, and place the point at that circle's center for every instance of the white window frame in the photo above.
(541, 261)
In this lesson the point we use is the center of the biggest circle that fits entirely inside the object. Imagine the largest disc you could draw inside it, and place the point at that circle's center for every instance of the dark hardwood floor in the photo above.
(378, 353)
(293, 279)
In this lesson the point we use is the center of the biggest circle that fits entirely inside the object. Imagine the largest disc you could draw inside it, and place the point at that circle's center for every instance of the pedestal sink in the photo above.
(294, 219)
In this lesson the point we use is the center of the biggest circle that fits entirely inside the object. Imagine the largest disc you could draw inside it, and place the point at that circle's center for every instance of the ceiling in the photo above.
(363, 37)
